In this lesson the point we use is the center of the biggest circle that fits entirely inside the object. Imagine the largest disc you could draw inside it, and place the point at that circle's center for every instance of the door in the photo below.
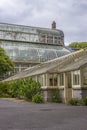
(68, 87)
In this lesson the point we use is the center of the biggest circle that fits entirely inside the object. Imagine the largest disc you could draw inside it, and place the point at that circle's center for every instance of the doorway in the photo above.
(68, 86)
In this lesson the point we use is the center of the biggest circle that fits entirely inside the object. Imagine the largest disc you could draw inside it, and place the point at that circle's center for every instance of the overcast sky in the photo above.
(70, 15)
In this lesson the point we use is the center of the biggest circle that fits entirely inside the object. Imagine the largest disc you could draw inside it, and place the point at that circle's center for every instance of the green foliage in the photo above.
(73, 102)
(21, 88)
(32, 88)
(78, 45)
(6, 64)
(4, 89)
(84, 101)
(76, 102)
(56, 97)
(25, 88)
(37, 98)
(16, 88)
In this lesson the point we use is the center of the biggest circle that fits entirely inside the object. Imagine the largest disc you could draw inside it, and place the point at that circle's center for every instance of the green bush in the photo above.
(56, 97)
(14, 89)
(4, 89)
(84, 101)
(24, 88)
(37, 98)
(78, 45)
(31, 88)
(17, 89)
(21, 88)
(73, 102)
(6, 96)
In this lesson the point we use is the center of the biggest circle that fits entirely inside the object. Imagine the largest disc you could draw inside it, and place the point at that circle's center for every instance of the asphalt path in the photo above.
(20, 115)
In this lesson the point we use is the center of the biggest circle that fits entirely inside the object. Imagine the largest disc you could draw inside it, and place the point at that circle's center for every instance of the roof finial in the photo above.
(53, 25)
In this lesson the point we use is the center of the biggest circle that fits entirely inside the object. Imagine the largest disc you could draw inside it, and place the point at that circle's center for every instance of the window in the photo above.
(85, 76)
(53, 79)
(43, 38)
(41, 79)
(69, 81)
(61, 79)
(50, 39)
(50, 80)
(76, 77)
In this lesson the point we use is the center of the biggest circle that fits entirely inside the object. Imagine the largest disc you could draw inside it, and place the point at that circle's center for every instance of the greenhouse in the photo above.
(68, 73)
(28, 46)
(40, 54)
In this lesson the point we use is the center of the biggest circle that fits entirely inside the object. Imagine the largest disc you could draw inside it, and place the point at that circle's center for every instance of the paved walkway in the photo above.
(16, 115)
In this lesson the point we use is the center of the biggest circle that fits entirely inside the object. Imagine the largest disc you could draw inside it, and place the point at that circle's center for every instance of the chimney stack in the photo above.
(53, 25)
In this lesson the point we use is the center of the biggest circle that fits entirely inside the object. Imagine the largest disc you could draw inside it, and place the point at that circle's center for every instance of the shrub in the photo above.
(5, 96)
(4, 89)
(84, 101)
(25, 88)
(73, 102)
(37, 98)
(56, 97)
(14, 89)
(31, 88)
(21, 88)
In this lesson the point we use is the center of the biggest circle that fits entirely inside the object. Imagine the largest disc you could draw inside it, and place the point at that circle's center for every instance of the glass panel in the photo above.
(55, 79)
(85, 76)
(18, 36)
(69, 82)
(33, 34)
(76, 77)
(50, 39)
(31, 52)
(50, 79)
(19, 28)
(61, 79)
(42, 38)
(40, 78)
(56, 40)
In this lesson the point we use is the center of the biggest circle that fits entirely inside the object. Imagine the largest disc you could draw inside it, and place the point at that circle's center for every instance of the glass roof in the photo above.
(22, 33)
(28, 52)
(27, 29)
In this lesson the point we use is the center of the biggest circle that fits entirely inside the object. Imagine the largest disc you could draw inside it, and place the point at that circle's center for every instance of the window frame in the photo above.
(76, 78)
(54, 80)
(61, 79)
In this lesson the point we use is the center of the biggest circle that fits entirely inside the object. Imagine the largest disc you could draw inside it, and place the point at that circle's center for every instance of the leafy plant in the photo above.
(78, 45)
(6, 64)
(84, 101)
(31, 88)
(14, 89)
(37, 98)
(73, 102)
(4, 89)
(21, 88)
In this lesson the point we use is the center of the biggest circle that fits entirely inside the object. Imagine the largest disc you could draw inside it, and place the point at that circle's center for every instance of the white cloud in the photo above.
(70, 15)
